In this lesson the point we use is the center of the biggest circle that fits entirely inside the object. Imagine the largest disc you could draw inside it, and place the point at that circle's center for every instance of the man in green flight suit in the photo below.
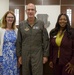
(32, 43)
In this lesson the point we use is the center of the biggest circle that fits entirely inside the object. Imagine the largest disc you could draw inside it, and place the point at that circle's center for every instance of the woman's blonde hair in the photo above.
(4, 22)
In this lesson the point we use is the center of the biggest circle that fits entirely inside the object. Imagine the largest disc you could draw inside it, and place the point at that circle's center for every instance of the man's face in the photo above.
(30, 10)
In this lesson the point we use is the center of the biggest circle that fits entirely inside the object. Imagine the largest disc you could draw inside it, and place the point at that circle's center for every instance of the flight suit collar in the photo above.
(36, 20)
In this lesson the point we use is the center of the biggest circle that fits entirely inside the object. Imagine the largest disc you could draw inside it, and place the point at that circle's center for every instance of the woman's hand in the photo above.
(51, 64)
(70, 68)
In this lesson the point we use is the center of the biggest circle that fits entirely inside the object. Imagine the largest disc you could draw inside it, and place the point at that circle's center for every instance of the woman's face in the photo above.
(62, 21)
(10, 18)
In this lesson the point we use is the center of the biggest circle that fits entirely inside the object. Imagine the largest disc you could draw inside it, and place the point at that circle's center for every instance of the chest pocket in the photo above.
(36, 31)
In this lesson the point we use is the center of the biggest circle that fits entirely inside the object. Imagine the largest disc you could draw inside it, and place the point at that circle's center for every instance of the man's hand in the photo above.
(45, 59)
(20, 60)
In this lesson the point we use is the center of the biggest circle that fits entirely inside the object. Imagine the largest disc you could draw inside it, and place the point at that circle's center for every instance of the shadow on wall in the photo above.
(44, 18)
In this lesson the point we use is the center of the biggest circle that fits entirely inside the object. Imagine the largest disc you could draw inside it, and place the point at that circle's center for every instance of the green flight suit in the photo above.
(32, 45)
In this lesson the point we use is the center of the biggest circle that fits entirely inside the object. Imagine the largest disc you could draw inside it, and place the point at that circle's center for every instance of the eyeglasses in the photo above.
(10, 17)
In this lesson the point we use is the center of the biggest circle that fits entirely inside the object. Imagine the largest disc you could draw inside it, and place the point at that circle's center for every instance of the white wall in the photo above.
(4, 7)
(52, 10)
